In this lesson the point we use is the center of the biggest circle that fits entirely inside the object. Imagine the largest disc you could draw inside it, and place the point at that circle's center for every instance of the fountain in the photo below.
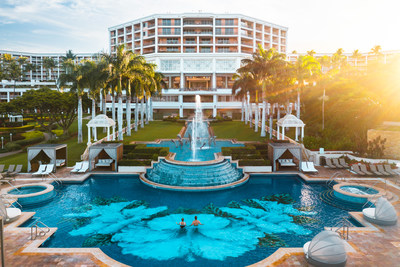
(196, 171)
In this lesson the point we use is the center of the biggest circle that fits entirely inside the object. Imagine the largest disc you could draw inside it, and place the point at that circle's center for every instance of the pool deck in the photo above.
(369, 246)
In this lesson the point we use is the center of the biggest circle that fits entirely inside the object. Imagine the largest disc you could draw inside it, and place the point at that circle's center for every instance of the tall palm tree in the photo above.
(326, 63)
(311, 53)
(356, 56)
(49, 64)
(338, 59)
(376, 50)
(74, 81)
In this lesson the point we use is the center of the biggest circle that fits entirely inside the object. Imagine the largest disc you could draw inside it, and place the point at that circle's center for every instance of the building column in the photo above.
(8, 96)
(283, 132)
(108, 133)
(263, 120)
(302, 133)
(278, 135)
(180, 100)
(215, 102)
(296, 135)
(89, 141)
(214, 81)
(182, 80)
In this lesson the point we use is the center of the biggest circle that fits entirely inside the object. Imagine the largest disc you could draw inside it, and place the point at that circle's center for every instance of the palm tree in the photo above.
(49, 64)
(338, 59)
(376, 50)
(356, 56)
(74, 81)
(326, 63)
(311, 53)
(30, 67)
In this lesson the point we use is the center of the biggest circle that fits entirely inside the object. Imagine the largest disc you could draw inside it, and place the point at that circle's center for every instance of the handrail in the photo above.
(38, 225)
(344, 224)
(332, 178)
(6, 181)
(55, 178)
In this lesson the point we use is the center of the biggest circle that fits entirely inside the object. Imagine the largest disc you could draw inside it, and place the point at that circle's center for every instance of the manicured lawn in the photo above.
(236, 129)
(155, 130)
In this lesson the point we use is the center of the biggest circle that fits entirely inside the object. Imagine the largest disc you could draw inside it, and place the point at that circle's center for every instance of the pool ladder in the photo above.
(54, 178)
(342, 228)
(38, 228)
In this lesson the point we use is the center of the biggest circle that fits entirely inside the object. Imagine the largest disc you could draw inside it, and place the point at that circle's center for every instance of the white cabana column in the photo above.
(297, 134)
(263, 120)
(89, 137)
(283, 133)
(278, 135)
(302, 133)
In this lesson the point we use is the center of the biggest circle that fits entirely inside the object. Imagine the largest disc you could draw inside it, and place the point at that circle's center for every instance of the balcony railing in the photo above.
(198, 89)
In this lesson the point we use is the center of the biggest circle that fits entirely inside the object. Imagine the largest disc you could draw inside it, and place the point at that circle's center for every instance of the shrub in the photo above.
(134, 155)
(254, 162)
(58, 132)
(32, 134)
(31, 141)
(19, 129)
(12, 146)
(127, 162)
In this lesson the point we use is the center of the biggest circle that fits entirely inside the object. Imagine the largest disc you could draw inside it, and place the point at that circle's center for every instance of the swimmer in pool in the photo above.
(182, 223)
(196, 222)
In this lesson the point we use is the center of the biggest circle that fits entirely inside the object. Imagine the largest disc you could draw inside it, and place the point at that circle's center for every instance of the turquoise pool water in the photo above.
(136, 224)
(184, 153)
(27, 190)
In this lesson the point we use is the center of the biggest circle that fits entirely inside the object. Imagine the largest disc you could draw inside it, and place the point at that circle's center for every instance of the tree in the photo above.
(64, 107)
(311, 53)
(338, 59)
(13, 68)
(49, 64)
(356, 56)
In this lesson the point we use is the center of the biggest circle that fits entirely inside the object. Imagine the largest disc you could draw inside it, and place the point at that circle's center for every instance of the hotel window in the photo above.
(177, 22)
(190, 41)
(172, 40)
(223, 49)
(229, 22)
(177, 31)
(166, 22)
(190, 50)
(166, 31)
(223, 40)
(172, 49)
(218, 31)
(218, 22)
(205, 50)
(229, 31)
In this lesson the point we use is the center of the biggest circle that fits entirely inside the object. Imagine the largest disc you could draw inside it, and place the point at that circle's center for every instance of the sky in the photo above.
(82, 25)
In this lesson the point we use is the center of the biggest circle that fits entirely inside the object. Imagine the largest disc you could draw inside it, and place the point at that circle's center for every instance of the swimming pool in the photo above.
(184, 153)
(138, 226)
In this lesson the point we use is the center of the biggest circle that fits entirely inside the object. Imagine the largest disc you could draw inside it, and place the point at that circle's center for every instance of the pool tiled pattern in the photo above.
(371, 246)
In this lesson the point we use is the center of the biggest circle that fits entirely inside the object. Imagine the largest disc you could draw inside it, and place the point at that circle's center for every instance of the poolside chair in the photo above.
(49, 169)
(311, 167)
(337, 164)
(60, 162)
(1, 168)
(355, 168)
(40, 171)
(382, 170)
(373, 169)
(389, 170)
(85, 167)
(77, 167)
(18, 169)
(10, 214)
(343, 163)
(329, 163)
(363, 168)
(10, 169)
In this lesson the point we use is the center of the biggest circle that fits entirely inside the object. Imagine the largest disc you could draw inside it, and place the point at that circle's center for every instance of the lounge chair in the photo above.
(355, 168)
(373, 169)
(1, 168)
(40, 171)
(85, 167)
(329, 163)
(104, 163)
(77, 167)
(60, 162)
(337, 164)
(10, 214)
(10, 169)
(18, 169)
(311, 167)
(382, 170)
(286, 162)
(49, 169)
(343, 163)
(363, 168)
(389, 170)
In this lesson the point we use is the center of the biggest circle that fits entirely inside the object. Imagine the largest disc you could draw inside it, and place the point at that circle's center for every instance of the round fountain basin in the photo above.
(356, 193)
(193, 177)
(32, 194)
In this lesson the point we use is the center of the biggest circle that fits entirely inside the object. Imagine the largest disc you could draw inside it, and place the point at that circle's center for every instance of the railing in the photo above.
(332, 178)
(38, 228)
(54, 178)
(8, 182)
(4, 198)
(198, 88)
(343, 228)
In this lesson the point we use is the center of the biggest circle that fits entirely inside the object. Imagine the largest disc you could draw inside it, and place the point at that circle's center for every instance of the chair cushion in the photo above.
(369, 212)
(12, 213)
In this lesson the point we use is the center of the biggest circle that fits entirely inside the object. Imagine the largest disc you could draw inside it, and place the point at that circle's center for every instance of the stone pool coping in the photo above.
(32, 247)
(338, 188)
(48, 188)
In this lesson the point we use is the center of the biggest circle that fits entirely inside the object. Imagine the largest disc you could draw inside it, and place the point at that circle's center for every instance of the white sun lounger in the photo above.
(77, 167)
(49, 169)
(40, 171)
(10, 214)
(85, 167)
(308, 167)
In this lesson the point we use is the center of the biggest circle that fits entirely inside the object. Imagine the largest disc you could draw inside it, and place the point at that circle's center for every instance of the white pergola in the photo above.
(290, 121)
(101, 121)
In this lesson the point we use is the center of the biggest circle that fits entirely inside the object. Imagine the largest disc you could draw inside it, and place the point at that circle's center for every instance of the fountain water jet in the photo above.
(199, 128)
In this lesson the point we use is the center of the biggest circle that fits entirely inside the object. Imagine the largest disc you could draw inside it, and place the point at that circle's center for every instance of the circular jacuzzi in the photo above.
(356, 193)
(31, 194)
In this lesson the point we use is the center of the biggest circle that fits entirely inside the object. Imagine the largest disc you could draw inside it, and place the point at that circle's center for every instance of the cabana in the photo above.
(46, 153)
(100, 121)
(105, 155)
(290, 121)
(277, 149)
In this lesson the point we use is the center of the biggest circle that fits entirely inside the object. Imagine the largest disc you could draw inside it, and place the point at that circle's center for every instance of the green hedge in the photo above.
(129, 162)
(31, 141)
(12, 146)
(134, 155)
(17, 129)
(254, 162)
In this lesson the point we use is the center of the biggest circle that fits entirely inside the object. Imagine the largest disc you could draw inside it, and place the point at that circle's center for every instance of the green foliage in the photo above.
(130, 162)
(254, 162)
(19, 129)
(31, 141)
(57, 132)
(32, 134)
(12, 146)
(98, 240)
(172, 118)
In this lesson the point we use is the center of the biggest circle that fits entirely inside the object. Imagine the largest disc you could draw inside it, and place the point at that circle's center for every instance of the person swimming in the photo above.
(182, 223)
(196, 222)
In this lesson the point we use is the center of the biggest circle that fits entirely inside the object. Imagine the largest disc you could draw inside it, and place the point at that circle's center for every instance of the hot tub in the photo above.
(32, 194)
(356, 193)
